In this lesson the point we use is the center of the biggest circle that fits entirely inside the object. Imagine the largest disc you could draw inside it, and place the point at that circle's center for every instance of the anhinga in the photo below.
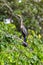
(23, 30)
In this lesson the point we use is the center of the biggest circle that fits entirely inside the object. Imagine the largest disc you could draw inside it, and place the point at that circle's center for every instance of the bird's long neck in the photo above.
(21, 26)
(21, 21)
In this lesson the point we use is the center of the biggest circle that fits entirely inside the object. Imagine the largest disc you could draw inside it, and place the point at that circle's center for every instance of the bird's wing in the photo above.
(24, 31)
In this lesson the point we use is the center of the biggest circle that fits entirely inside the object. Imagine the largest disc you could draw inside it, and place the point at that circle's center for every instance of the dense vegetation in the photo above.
(12, 52)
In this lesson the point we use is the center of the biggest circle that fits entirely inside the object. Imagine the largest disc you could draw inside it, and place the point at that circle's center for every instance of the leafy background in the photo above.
(12, 52)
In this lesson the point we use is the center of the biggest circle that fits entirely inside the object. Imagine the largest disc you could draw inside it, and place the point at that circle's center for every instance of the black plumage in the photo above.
(24, 32)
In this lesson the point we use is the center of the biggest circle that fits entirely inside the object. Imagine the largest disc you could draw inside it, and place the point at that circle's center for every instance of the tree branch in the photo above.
(18, 17)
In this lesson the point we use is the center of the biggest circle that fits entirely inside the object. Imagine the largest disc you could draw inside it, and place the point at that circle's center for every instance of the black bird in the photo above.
(23, 30)
(24, 33)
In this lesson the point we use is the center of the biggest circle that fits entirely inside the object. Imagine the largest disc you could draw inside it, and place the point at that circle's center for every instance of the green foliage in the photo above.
(31, 11)
(12, 52)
